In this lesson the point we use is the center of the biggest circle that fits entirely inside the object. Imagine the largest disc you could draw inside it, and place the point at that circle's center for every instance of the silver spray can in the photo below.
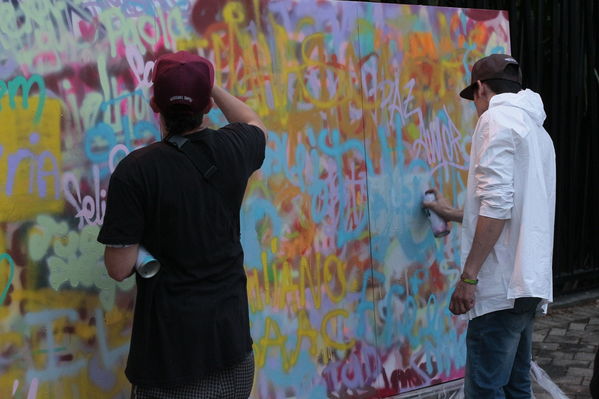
(147, 266)
(438, 224)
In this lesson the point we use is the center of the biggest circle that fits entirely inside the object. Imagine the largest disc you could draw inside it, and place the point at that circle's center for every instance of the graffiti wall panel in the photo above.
(347, 287)
(305, 217)
(414, 62)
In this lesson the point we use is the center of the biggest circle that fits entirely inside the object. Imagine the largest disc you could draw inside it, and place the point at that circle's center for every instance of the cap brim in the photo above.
(468, 92)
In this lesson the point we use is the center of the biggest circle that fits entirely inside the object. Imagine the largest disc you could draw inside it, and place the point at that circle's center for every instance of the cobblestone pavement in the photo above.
(564, 345)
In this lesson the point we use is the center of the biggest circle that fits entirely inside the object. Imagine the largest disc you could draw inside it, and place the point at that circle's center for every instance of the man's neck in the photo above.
(196, 129)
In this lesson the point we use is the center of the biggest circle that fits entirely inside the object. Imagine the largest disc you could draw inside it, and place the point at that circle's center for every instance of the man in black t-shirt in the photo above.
(180, 200)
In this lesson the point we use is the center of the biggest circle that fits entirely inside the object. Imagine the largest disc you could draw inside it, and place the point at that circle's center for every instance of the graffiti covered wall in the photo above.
(348, 289)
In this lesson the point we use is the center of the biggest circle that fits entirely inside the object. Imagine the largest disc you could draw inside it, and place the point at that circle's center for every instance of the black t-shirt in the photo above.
(192, 317)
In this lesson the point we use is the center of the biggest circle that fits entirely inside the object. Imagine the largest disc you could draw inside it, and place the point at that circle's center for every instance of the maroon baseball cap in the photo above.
(182, 78)
(491, 67)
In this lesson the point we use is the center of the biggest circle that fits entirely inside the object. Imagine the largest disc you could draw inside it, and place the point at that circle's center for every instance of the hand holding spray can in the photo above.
(438, 224)
(147, 266)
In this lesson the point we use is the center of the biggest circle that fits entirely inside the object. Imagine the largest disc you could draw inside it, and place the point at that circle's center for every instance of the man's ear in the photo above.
(480, 89)
(208, 106)
(154, 106)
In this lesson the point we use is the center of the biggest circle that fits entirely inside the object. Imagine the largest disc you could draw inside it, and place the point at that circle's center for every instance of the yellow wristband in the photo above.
(471, 281)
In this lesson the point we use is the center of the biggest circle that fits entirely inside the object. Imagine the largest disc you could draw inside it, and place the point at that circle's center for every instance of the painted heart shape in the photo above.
(88, 30)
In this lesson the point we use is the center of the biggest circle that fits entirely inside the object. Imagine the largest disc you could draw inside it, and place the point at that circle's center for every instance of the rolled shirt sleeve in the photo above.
(494, 173)
(248, 144)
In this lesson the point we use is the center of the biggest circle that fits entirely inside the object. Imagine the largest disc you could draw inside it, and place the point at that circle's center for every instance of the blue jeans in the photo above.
(499, 351)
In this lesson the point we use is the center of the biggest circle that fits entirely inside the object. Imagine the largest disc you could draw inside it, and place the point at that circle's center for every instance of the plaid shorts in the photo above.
(231, 383)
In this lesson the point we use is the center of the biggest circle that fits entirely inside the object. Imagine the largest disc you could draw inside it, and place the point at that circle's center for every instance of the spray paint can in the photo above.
(147, 266)
(438, 224)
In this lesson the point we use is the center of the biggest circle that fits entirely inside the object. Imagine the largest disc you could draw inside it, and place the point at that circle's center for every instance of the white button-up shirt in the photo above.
(512, 177)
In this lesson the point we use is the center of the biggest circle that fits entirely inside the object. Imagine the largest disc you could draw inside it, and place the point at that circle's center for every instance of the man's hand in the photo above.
(462, 299)
(443, 208)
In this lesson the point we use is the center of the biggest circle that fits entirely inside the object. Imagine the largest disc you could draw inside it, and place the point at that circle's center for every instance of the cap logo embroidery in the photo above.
(511, 60)
(184, 98)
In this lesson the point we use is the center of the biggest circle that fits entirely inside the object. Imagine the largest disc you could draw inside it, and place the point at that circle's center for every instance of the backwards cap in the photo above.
(182, 78)
(491, 67)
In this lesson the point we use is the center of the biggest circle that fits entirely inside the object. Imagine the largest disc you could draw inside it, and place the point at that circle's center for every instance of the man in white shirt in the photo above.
(507, 234)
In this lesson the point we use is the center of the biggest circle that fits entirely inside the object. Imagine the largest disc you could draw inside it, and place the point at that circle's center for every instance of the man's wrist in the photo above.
(468, 279)
(457, 215)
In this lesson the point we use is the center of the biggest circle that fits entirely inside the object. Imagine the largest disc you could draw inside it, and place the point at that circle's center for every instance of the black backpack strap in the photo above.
(194, 154)
(206, 169)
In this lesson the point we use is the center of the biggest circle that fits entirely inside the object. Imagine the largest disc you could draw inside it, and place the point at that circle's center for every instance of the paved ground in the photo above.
(565, 342)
